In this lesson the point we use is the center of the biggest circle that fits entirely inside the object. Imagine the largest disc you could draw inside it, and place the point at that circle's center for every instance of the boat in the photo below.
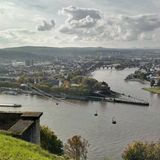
(96, 114)
(114, 121)
(10, 92)
(10, 105)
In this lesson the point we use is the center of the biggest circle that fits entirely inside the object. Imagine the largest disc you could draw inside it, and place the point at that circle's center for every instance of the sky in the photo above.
(80, 23)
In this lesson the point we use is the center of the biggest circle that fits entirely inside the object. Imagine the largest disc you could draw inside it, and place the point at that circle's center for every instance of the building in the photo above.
(29, 62)
(23, 125)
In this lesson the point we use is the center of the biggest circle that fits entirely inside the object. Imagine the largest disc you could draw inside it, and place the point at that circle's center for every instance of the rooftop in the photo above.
(20, 127)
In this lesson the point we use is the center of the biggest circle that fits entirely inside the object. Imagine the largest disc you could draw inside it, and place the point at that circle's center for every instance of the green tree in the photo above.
(158, 72)
(158, 83)
(9, 84)
(50, 142)
(152, 82)
(22, 79)
(142, 151)
(44, 87)
(77, 79)
(90, 83)
(77, 148)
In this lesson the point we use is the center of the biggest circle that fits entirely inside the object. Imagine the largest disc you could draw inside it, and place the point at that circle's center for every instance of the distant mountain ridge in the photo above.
(36, 51)
(53, 51)
(12, 54)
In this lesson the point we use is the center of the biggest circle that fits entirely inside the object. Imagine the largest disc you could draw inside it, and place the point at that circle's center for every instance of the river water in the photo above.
(107, 141)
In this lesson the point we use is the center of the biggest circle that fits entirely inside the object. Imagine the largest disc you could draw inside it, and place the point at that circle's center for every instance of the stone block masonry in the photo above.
(23, 125)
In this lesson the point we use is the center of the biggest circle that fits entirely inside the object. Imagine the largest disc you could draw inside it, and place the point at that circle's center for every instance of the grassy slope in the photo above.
(15, 149)
(155, 90)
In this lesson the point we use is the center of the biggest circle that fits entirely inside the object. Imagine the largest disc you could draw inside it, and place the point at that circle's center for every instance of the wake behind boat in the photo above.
(10, 105)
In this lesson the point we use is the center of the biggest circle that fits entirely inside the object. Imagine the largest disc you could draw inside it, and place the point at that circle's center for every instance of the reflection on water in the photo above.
(76, 117)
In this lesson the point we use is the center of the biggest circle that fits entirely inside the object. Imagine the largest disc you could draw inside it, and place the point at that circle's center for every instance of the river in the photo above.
(107, 141)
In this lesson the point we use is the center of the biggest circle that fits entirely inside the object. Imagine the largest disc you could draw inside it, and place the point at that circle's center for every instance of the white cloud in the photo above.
(79, 20)
(46, 26)
(17, 35)
(75, 13)
(79, 25)
(23, 37)
(132, 27)
(88, 24)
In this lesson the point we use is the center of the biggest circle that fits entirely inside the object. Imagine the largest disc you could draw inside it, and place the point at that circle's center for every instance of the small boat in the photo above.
(114, 121)
(57, 103)
(10, 105)
(96, 114)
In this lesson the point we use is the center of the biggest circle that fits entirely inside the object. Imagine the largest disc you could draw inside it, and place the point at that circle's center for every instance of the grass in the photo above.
(155, 90)
(15, 149)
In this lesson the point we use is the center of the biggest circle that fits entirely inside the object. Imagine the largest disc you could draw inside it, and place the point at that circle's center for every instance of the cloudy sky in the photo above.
(65, 23)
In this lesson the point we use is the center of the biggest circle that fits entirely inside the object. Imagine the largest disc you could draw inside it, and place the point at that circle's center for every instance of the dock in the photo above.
(125, 101)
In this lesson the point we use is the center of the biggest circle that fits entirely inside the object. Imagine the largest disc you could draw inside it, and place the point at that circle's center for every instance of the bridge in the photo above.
(45, 94)
(40, 92)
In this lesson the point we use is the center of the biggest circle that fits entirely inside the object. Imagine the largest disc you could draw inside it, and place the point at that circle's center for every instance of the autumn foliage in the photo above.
(142, 151)
(77, 148)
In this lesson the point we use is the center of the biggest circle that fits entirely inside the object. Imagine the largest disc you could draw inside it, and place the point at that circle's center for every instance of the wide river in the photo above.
(107, 141)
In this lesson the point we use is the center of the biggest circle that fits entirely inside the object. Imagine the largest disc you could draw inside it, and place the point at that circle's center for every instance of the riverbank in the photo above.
(116, 98)
(137, 80)
(111, 96)
(155, 90)
(127, 99)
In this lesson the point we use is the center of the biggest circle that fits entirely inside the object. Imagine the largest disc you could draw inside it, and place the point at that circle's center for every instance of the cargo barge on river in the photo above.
(10, 105)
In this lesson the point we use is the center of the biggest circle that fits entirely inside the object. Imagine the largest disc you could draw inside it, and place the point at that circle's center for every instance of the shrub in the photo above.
(50, 142)
(142, 151)
(77, 148)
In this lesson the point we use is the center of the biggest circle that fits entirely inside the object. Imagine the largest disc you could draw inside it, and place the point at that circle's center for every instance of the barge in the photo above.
(10, 105)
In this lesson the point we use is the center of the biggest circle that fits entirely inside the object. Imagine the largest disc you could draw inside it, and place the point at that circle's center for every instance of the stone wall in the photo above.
(24, 125)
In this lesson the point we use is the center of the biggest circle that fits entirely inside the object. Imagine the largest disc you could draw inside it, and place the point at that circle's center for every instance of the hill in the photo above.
(35, 52)
(15, 149)
(13, 54)
(53, 51)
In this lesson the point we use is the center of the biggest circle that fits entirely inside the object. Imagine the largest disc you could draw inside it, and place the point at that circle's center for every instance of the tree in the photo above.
(152, 82)
(9, 84)
(158, 72)
(44, 87)
(158, 83)
(142, 151)
(90, 83)
(77, 79)
(50, 142)
(22, 79)
(77, 148)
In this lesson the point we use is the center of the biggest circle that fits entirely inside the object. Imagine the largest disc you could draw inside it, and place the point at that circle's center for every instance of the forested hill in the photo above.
(72, 51)
(53, 51)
